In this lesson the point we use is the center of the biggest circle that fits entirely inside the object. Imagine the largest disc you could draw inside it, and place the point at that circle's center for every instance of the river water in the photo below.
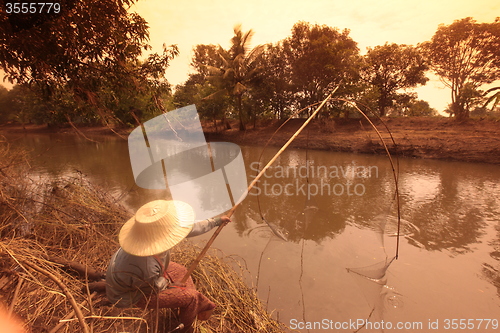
(317, 235)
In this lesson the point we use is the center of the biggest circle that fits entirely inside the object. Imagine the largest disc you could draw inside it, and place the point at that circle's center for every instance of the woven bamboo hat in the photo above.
(156, 227)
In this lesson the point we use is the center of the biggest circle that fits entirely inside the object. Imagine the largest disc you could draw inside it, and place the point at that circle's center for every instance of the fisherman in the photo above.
(141, 274)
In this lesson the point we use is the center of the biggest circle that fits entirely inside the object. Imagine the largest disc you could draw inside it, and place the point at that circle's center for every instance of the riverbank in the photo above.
(436, 138)
(420, 137)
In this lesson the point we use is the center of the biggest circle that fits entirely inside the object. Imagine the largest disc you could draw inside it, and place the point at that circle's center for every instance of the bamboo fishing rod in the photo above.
(195, 263)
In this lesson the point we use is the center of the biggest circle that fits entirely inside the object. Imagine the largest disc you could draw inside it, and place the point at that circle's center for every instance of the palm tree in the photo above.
(494, 99)
(239, 69)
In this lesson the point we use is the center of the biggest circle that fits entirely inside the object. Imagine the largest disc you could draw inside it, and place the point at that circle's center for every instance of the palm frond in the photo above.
(495, 98)
(255, 53)
(214, 71)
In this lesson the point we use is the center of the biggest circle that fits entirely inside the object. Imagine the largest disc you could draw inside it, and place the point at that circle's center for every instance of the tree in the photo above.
(4, 104)
(321, 58)
(79, 48)
(24, 105)
(238, 70)
(275, 89)
(200, 88)
(211, 101)
(392, 67)
(465, 54)
(49, 47)
(195, 91)
(206, 56)
(413, 107)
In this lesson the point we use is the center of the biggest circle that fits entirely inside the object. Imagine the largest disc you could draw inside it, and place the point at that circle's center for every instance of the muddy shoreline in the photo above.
(434, 138)
(420, 137)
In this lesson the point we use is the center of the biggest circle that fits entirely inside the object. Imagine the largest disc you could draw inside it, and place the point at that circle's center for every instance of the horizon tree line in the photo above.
(91, 69)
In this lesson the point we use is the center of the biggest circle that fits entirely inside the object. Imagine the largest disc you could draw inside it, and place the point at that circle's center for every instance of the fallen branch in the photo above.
(70, 315)
(78, 131)
(76, 267)
(65, 290)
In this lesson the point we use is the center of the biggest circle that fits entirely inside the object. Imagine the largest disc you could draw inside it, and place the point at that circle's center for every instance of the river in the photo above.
(327, 262)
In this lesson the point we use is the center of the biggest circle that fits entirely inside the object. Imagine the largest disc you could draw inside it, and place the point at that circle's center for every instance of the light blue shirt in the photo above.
(129, 277)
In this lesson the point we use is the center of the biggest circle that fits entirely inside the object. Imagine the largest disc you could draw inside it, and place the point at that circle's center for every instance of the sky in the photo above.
(371, 23)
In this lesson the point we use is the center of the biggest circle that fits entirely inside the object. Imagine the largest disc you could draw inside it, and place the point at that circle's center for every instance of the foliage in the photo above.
(275, 90)
(465, 54)
(4, 104)
(410, 106)
(24, 105)
(52, 47)
(392, 67)
(211, 103)
(238, 70)
(89, 50)
(195, 91)
(320, 58)
(206, 56)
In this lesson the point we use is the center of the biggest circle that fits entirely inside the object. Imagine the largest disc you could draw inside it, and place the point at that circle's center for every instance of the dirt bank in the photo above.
(438, 138)
(422, 137)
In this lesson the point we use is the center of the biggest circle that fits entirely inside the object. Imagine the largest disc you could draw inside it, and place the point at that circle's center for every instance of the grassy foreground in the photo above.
(73, 219)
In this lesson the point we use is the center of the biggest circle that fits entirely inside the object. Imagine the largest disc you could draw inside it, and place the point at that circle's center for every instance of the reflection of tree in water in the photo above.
(492, 271)
(318, 216)
(301, 217)
(449, 221)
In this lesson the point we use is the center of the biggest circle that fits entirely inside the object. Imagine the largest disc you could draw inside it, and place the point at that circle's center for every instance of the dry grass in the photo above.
(73, 219)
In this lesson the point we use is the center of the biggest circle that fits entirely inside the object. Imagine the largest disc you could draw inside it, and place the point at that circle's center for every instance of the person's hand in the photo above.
(225, 219)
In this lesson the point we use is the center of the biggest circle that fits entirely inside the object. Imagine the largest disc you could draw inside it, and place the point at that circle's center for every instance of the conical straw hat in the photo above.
(156, 227)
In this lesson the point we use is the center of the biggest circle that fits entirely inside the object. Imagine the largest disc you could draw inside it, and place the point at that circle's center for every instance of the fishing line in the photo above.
(273, 229)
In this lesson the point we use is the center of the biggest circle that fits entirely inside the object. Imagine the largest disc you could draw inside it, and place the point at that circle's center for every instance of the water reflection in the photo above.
(450, 228)
(450, 205)
(444, 211)
(491, 268)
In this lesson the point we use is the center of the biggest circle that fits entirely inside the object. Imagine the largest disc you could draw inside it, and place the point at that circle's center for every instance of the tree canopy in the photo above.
(88, 62)
(391, 67)
(236, 69)
(49, 47)
(320, 58)
(85, 49)
(466, 55)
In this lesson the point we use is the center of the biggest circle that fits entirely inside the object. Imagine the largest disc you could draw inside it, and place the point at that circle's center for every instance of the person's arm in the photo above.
(154, 274)
(204, 226)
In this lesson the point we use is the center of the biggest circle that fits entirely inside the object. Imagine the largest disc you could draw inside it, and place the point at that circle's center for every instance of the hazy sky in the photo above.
(187, 23)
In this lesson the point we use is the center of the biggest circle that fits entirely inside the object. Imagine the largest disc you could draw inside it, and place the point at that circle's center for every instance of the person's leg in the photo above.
(191, 302)
(176, 272)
